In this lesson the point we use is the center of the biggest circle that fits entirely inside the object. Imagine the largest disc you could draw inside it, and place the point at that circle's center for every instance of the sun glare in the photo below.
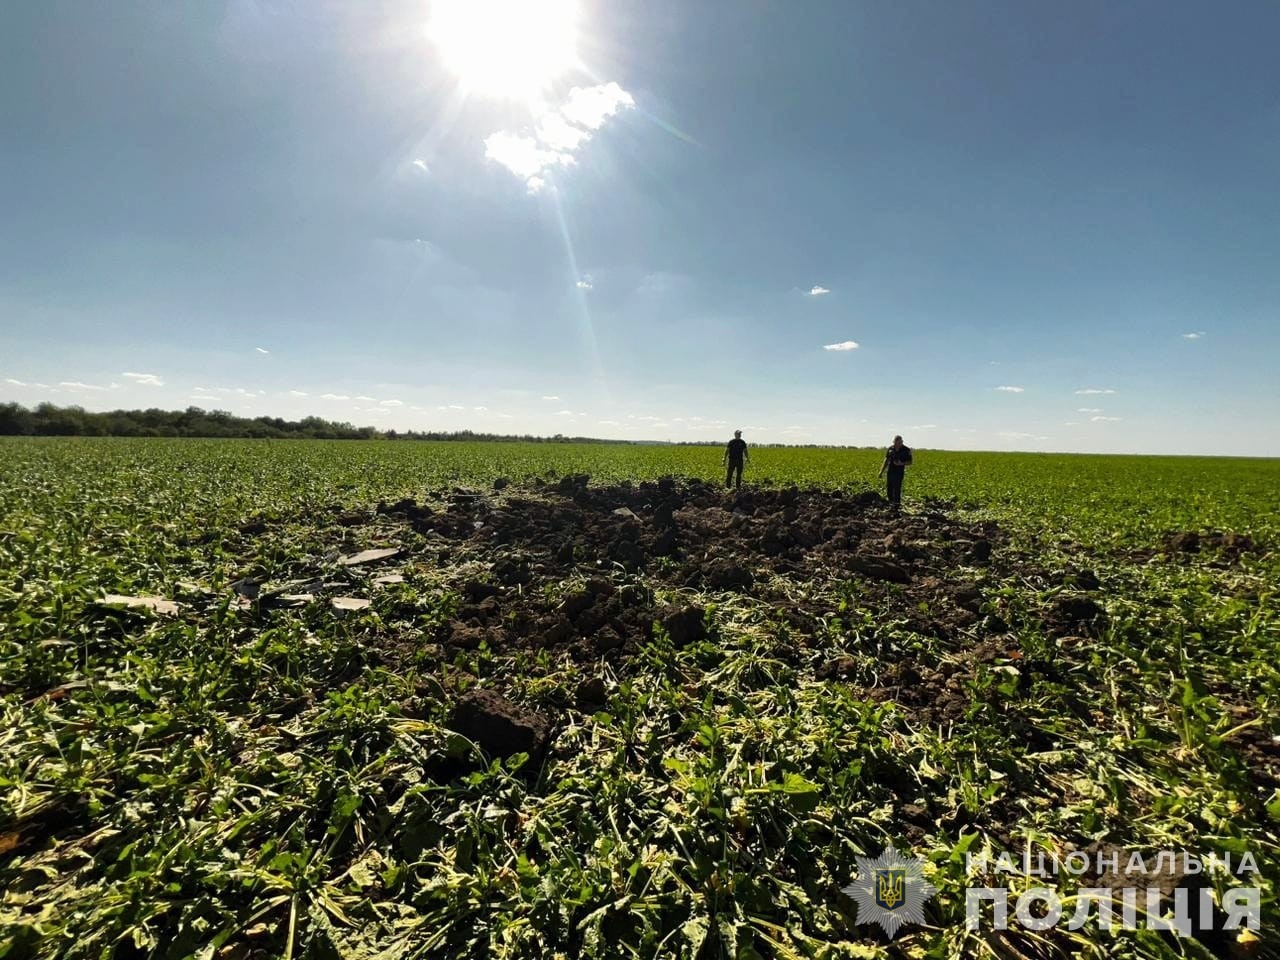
(506, 48)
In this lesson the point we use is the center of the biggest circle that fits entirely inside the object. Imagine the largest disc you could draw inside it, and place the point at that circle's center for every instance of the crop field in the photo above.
(412, 700)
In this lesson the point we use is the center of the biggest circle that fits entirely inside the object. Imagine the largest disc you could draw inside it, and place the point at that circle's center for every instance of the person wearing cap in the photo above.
(735, 456)
(896, 460)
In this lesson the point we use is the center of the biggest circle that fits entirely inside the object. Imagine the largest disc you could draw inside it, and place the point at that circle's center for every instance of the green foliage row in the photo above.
(233, 783)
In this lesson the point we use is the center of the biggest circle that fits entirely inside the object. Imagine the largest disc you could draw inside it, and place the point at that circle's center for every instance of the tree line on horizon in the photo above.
(51, 420)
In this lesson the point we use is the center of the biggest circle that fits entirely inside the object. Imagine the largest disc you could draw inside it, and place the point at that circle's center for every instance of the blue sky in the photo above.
(1045, 226)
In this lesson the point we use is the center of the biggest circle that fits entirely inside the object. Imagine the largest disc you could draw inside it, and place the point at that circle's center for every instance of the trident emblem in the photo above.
(891, 885)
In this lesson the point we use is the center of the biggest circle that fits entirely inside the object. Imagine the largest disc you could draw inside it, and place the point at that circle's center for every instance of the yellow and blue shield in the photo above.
(891, 887)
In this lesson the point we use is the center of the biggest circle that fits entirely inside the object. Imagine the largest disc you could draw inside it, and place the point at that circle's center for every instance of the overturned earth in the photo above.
(598, 573)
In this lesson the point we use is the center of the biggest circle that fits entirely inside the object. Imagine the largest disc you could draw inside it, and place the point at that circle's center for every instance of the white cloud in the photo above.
(144, 379)
(13, 382)
(261, 350)
(363, 399)
(1011, 389)
(923, 426)
(818, 291)
(607, 423)
(843, 345)
(557, 133)
(550, 396)
(1105, 419)
(298, 393)
(564, 413)
(422, 165)
(1193, 336)
(480, 409)
(585, 283)
(334, 396)
(524, 157)
(1088, 409)
(1091, 391)
(1071, 423)
(202, 396)
(77, 385)
(391, 403)
(590, 107)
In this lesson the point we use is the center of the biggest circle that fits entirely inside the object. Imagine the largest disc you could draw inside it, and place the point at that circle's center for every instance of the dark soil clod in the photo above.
(499, 727)
(685, 625)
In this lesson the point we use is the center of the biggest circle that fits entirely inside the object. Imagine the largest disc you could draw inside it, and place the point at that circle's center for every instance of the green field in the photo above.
(249, 777)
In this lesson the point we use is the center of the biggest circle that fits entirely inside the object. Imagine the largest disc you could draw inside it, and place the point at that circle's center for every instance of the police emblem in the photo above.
(890, 890)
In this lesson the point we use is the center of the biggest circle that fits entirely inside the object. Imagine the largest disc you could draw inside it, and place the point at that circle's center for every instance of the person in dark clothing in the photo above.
(735, 456)
(896, 460)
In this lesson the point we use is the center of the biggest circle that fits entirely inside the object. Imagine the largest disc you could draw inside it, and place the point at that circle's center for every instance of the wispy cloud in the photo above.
(661, 282)
(334, 396)
(391, 403)
(842, 345)
(298, 393)
(422, 165)
(144, 379)
(585, 283)
(262, 350)
(1018, 435)
(14, 383)
(1193, 336)
(1088, 409)
(1092, 391)
(77, 385)
(232, 391)
(558, 134)
(1105, 419)
(550, 396)
(1011, 389)
(817, 291)
(923, 426)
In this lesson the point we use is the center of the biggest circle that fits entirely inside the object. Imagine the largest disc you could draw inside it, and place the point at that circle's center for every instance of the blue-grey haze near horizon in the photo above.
(1038, 226)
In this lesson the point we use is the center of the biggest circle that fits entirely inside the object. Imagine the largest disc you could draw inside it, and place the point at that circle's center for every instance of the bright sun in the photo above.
(506, 48)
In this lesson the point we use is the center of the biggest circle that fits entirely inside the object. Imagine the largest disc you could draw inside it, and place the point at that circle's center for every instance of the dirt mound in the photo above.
(575, 567)
(1230, 546)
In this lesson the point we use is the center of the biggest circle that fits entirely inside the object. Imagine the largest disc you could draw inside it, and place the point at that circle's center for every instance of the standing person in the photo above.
(735, 456)
(896, 460)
